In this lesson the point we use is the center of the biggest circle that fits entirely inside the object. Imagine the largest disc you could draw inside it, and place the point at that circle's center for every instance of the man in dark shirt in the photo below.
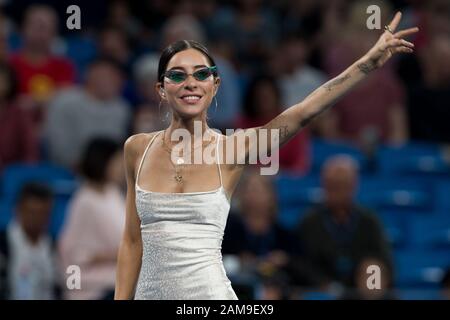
(263, 247)
(338, 234)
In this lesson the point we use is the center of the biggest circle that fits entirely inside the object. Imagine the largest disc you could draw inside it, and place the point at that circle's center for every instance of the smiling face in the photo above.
(191, 97)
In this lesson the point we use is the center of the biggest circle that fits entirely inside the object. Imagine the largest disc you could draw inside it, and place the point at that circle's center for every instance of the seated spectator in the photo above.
(95, 220)
(40, 73)
(27, 254)
(257, 215)
(262, 245)
(77, 115)
(338, 234)
(262, 103)
(17, 139)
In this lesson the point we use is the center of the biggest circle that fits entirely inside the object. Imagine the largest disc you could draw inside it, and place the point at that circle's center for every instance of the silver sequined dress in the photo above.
(182, 237)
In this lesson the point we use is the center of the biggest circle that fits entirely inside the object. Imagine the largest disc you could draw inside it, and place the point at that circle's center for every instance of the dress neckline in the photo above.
(218, 190)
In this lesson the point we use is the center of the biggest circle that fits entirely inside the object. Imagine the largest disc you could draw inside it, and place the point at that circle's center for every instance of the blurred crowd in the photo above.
(72, 97)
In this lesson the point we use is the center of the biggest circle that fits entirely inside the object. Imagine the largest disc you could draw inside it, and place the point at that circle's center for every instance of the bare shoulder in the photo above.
(135, 144)
(134, 148)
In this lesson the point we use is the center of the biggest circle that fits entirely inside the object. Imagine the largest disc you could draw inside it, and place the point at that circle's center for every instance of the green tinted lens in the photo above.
(176, 76)
(202, 74)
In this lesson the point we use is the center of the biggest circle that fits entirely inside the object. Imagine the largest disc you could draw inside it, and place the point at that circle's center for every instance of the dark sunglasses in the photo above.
(179, 76)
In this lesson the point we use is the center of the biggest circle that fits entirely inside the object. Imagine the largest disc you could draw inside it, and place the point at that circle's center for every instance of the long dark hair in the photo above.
(179, 46)
(96, 157)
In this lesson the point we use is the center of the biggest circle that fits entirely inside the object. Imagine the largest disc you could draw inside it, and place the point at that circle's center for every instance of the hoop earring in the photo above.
(159, 109)
(167, 117)
(164, 118)
(168, 113)
(215, 99)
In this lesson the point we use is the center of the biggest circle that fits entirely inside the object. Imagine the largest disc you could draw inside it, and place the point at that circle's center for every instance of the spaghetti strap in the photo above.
(145, 153)
(172, 225)
(217, 159)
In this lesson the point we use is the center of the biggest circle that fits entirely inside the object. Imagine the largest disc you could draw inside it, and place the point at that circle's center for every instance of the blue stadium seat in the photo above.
(317, 295)
(14, 176)
(420, 268)
(80, 50)
(419, 293)
(295, 196)
(298, 191)
(420, 159)
(430, 232)
(443, 196)
(290, 217)
(322, 150)
(395, 227)
(60, 180)
(397, 194)
(15, 41)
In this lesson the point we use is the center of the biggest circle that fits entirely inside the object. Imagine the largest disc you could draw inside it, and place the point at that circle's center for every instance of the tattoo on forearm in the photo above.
(367, 67)
(284, 132)
(333, 83)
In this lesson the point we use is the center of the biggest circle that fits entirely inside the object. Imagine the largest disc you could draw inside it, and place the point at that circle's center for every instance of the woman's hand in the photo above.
(390, 42)
(293, 119)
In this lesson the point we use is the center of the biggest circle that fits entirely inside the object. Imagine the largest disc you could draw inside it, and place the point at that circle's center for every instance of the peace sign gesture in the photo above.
(391, 42)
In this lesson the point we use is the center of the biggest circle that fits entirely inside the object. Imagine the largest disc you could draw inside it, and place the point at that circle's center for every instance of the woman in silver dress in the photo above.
(176, 211)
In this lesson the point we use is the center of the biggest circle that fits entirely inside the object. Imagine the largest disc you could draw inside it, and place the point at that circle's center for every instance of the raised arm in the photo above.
(301, 114)
(130, 251)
